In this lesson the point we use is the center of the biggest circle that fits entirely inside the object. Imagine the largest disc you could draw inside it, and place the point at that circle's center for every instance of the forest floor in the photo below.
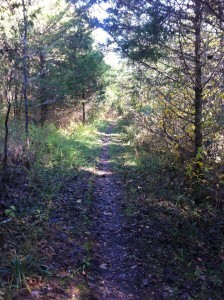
(111, 231)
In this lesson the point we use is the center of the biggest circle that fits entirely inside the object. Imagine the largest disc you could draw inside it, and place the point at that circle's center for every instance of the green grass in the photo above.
(157, 198)
(66, 149)
(59, 154)
(58, 159)
(155, 170)
(60, 173)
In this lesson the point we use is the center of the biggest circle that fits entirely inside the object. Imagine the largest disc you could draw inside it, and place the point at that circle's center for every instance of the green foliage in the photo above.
(85, 73)
(158, 199)
(11, 212)
(159, 170)
(160, 90)
(58, 152)
(57, 157)
(19, 268)
(63, 65)
(70, 148)
(143, 19)
(204, 178)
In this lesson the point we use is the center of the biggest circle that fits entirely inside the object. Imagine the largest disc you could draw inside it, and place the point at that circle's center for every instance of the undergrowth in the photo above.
(45, 221)
(40, 181)
(59, 152)
(163, 173)
(180, 243)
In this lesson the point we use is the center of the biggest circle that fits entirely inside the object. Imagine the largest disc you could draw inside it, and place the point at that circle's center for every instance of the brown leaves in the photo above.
(46, 249)
(133, 267)
(104, 266)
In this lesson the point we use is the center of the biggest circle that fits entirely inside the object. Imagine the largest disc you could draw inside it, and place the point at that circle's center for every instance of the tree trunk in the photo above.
(198, 139)
(17, 108)
(83, 109)
(43, 107)
(25, 72)
(5, 159)
(83, 113)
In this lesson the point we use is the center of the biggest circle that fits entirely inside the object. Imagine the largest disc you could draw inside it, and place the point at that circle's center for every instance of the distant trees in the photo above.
(25, 67)
(216, 8)
(178, 48)
(43, 44)
(47, 62)
(46, 48)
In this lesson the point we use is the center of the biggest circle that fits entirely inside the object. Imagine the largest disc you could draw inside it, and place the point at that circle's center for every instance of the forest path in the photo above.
(88, 244)
(113, 273)
(110, 227)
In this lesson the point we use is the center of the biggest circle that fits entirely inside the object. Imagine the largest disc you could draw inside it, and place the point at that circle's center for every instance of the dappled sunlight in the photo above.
(108, 222)
(67, 151)
(111, 177)
(106, 290)
(112, 135)
(98, 172)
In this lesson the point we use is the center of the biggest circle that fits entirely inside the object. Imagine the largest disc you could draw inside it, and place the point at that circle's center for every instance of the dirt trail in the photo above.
(113, 273)
(100, 241)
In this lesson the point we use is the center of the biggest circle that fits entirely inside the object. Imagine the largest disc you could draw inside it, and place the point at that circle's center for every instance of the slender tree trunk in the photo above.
(221, 24)
(83, 113)
(83, 109)
(43, 107)
(5, 159)
(17, 105)
(198, 97)
(198, 139)
(25, 72)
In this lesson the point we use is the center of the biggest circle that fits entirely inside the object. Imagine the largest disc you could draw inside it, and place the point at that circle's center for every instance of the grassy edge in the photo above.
(33, 210)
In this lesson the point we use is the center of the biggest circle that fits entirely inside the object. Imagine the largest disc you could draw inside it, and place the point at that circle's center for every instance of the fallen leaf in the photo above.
(35, 294)
(133, 267)
(107, 213)
(145, 282)
(103, 266)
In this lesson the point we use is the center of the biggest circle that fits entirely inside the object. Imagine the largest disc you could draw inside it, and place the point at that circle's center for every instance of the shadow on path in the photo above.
(113, 273)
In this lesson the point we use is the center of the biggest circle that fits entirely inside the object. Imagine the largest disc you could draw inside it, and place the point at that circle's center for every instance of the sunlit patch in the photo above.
(97, 171)
(75, 294)
(131, 163)
(107, 290)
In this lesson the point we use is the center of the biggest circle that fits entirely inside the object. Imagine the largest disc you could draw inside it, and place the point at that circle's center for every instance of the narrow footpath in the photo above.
(113, 274)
